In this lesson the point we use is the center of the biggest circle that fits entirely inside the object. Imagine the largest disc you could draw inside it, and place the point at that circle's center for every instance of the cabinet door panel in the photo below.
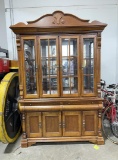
(33, 125)
(69, 64)
(52, 124)
(30, 67)
(49, 64)
(71, 123)
(88, 65)
(89, 123)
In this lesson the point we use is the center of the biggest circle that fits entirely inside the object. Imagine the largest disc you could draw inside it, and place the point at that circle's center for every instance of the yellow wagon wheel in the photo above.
(10, 123)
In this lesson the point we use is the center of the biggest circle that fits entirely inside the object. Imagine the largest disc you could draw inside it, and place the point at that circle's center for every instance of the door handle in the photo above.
(60, 125)
(83, 123)
(40, 125)
(63, 125)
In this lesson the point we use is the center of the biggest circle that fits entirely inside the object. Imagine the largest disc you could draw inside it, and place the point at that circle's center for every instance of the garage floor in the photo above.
(59, 151)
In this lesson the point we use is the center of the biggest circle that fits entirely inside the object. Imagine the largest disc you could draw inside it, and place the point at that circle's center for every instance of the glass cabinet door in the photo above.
(88, 65)
(56, 68)
(69, 65)
(49, 67)
(30, 68)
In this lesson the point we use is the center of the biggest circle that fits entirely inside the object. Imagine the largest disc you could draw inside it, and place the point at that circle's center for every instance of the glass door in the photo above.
(88, 65)
(30, 67)
(49, 64)
(69, 65)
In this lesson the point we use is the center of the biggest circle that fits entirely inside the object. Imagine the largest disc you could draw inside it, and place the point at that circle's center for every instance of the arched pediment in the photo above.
(58, 19)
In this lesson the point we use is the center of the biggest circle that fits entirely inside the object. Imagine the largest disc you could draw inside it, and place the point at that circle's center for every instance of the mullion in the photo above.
(69, 66)
(49, 67)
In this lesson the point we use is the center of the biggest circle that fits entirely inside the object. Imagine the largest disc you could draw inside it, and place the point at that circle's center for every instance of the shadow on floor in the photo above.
(12, 147)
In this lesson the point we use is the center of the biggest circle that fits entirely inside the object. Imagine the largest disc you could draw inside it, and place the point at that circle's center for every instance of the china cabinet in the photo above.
(59, 79)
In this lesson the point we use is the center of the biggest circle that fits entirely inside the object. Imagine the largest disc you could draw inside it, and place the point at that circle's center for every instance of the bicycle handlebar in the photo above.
(108, 92)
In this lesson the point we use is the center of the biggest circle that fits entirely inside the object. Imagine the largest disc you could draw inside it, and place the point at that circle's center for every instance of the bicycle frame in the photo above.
(110, 103)
(110, 113)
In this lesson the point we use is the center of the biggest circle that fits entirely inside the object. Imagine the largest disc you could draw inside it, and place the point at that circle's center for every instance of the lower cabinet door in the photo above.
(71, 123)
(89, 123)
(52, 124)
(34, 125)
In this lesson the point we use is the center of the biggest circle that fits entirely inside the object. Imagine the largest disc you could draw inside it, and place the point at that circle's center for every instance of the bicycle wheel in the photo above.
(115, 121)
(10, 122)
(110, 124)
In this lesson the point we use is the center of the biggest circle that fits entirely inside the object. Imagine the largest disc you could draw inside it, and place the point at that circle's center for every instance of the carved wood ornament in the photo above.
(58, 18)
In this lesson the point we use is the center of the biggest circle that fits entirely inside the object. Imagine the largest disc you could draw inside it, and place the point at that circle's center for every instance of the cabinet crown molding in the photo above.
(57, 19)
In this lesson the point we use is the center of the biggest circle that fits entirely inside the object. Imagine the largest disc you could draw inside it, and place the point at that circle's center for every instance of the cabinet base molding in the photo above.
(94, 139)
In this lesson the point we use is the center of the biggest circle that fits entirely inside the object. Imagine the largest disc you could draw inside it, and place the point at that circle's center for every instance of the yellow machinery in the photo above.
(10, 124)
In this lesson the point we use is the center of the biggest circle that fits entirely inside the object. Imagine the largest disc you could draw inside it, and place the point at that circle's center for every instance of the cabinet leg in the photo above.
(24, 143)
(100, 141)
(93, 141)
(31, 143)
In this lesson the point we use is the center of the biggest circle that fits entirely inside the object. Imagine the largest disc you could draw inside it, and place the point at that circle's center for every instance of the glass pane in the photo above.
(73, 66)
(30, 67)
(44, 48)
(88, 65)
(52, 47)
(74, 85)
(66, 85)
(53, 82)
(65, 47)
(45, 67)
(73, 47)
(46, 87)
(49, 66)
(65, 66)
(88, 48)
(69, 65)
(53, 66)
(88, 84)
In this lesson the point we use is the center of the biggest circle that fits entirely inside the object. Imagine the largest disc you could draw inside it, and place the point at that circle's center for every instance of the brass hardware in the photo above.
(84, 123)
(63, 125)
(82, 67)
(57, 66)
(40, 125)
(60, 125)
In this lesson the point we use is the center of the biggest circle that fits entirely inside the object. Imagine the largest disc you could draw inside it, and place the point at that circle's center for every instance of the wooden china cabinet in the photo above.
(59, 79)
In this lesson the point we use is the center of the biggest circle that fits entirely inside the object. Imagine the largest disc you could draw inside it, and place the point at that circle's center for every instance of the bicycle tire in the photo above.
(115, 123)
(107, 127)
(10, 121)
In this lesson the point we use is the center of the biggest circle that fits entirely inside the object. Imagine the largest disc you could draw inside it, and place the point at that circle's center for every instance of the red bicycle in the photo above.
(110, 112)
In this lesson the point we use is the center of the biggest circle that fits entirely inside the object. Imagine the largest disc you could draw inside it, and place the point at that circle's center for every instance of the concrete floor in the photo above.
(59, 151)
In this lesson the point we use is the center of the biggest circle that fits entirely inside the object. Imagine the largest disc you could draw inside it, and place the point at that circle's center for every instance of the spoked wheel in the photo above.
(10, 122)
(110, 124)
